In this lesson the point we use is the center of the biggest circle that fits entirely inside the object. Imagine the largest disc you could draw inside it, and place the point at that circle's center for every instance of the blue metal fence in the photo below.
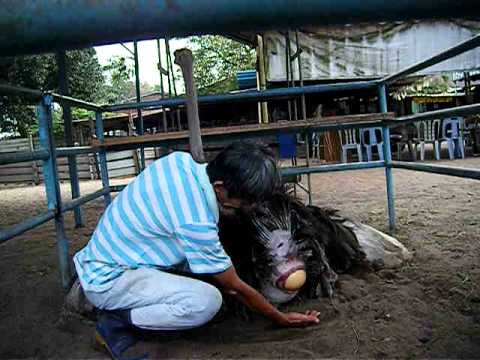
(48, 152)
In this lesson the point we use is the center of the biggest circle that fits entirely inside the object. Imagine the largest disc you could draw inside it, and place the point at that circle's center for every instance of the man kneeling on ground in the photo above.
(164, 220)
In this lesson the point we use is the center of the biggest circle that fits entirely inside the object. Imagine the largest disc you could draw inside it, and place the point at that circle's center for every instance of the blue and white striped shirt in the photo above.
(166, 218)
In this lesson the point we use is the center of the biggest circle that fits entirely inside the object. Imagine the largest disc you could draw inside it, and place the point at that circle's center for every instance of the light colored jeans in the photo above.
(159, 300)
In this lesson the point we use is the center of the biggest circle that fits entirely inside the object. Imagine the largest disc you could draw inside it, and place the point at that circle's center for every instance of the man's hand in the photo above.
(232, 284)
(298, 319)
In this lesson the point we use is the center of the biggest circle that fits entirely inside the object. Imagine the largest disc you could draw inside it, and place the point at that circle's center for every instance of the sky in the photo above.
(148, 56)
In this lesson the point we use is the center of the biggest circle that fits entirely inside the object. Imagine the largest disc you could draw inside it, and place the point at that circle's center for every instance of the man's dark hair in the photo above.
(248, 171)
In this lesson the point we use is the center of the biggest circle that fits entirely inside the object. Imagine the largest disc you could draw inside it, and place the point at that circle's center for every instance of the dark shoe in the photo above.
(114, 334)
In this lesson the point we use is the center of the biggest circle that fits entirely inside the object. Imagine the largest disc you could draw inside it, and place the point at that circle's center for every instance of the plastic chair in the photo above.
(287, 146)
(348, 140)
(428, 133)
(287, 149)
(406, 138)
(316, 145)
(371, 137)
(452, 134)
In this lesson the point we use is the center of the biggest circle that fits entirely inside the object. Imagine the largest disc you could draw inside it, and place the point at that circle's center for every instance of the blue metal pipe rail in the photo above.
(253, 95)
(51, 25)
(76, 150)
(52, 185)
(387, 155)
(18, 229)
(250, 131)
(438, 169)
(37, 95)
(71, 205)
(22, 156)
(464, 110)
(42, 154)
(331, 168)
(466, 45)
(30, 94)
(48, 152)
(38, 220)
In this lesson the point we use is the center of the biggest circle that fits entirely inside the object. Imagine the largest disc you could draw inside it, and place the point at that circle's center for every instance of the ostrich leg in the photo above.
(184, 59)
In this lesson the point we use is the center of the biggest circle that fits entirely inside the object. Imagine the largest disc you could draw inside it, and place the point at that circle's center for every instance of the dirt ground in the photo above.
(430, 308)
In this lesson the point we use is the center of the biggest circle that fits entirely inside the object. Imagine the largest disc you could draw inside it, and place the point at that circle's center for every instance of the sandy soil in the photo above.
(430, 308)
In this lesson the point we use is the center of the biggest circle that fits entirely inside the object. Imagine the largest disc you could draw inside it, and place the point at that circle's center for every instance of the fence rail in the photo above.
(120, 163)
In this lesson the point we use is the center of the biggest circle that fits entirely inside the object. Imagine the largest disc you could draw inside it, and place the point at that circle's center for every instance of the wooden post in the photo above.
(331, 141)
(184, 59)
(262, 79)
(136, 160)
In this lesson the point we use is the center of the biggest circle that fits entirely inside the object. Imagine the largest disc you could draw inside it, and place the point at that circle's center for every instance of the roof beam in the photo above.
(50, 25)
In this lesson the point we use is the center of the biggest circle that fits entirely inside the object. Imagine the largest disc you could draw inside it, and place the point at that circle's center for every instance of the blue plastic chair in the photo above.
(287, 149)
(287, 146)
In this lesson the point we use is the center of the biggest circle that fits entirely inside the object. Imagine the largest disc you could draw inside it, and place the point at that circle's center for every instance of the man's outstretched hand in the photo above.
(297, 319)
(233, 285)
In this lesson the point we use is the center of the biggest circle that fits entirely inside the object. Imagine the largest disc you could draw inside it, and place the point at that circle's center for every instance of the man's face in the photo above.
(233, 206)
(229, 206)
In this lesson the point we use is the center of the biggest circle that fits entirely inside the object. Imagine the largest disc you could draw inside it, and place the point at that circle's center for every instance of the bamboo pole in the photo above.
(262, 79)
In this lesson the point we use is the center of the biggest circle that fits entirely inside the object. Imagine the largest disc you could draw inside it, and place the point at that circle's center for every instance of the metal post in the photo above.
(174, 86)
(304, 116)
(162, 89)
(287, 70)
(139, 111)
(170, 91)
(167, 50)
(387, 154)
(102, 154)
(67, 121)
(52, 186)
(291, 59)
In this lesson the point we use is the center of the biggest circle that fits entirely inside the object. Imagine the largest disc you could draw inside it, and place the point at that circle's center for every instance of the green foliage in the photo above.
(57, 124)
(217, 60)
(120, 85)
(78, 113)
(41, 72)
(86, 75)
(31, 71)
(428, 85)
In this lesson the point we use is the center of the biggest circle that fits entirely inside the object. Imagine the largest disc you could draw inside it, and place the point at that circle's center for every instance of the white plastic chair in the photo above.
(428, 133)
(316, 145)
(452, 134)
(371, 137)
(348, 140)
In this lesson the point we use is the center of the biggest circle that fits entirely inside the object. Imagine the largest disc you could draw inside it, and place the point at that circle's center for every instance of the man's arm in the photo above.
(232, 284)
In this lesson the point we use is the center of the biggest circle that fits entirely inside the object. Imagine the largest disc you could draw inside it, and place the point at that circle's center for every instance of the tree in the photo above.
(41, 72)
(120, 87)
(16, 116)
(217, 60)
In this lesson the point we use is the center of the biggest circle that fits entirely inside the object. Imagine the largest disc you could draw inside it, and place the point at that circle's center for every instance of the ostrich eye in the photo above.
(280, 245)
